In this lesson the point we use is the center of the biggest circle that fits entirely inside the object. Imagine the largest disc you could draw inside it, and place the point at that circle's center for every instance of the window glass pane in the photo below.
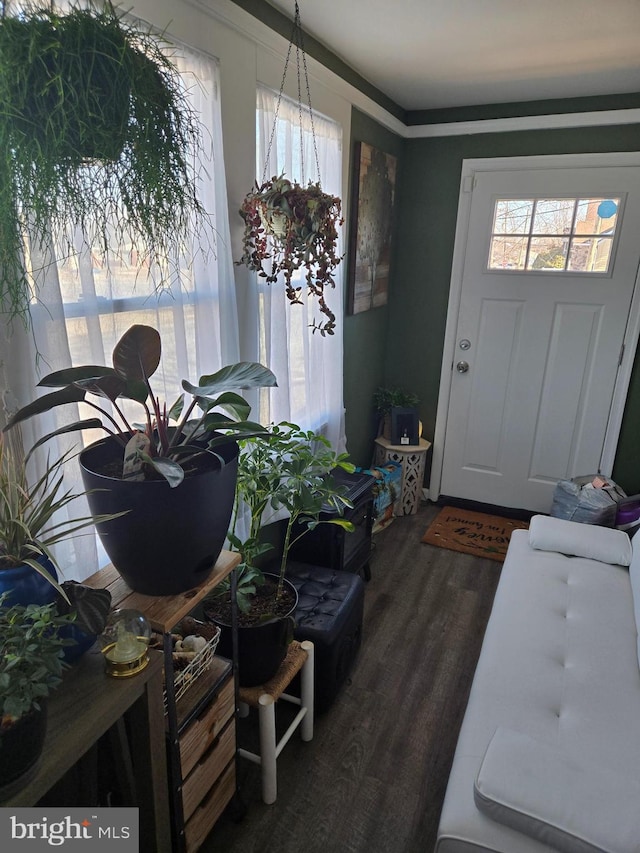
(553, 216)
(597, 215)
(508, 253)
(590, 254)
(548, 253)
(513, 216)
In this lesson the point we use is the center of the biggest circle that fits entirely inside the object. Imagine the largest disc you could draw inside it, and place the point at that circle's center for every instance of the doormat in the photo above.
(472, 532)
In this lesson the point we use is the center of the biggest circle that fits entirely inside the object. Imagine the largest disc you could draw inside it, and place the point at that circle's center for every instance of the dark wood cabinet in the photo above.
(330, 545)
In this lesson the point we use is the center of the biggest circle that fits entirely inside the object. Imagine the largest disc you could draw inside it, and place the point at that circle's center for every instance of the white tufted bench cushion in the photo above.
(558, 663)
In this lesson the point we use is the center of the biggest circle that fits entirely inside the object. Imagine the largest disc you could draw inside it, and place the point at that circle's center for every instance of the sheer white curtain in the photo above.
(86, 301)
(308, 366)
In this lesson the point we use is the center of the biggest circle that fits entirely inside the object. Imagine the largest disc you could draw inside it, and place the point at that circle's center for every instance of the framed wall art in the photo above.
(373, 197)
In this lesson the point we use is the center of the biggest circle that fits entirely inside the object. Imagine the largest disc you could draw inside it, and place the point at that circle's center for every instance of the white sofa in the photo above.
(548, 756)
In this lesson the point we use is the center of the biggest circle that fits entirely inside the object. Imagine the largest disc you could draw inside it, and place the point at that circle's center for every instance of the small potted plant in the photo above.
(287, 469)
(288, 228)
(31, 665)
(385, 399)
(175, 473)
(29, 527)
(95, 129)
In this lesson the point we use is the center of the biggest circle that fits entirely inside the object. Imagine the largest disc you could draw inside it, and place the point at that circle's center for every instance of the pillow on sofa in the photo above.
(580, 540)
(574, 807)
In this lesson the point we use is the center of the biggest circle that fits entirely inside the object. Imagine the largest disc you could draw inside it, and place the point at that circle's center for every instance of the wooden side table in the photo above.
(412, 458)
(201, 725)
(83, 709)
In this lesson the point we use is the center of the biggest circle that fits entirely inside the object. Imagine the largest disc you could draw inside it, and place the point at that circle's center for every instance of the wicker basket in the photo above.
(201, 662)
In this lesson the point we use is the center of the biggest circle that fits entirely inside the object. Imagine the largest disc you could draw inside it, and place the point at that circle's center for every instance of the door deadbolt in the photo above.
(462, 366)
(465, 344)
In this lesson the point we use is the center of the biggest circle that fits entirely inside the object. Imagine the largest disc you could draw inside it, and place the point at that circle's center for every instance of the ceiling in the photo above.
(431, 54)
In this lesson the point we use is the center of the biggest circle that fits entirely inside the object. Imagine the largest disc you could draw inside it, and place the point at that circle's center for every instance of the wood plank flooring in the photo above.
(373, 778)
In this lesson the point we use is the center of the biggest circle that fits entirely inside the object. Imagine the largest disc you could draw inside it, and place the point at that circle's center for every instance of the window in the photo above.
(308, 366)
(554, 235)
(88, 299)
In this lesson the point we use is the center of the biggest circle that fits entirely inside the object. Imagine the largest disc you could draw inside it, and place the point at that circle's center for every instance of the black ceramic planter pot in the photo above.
(169, 540)
(20, 749)
(261, 648)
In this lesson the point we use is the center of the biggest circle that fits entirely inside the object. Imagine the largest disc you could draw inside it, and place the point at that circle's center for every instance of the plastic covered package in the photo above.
(590, 500)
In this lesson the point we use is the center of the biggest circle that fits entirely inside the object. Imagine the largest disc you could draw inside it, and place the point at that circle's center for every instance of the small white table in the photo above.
(412, 458)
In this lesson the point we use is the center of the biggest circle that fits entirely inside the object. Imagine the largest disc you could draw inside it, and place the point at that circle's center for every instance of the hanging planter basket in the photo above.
(290, 228)
(96, 131)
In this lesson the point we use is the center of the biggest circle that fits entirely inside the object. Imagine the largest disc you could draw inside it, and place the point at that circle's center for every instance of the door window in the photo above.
(543, 235)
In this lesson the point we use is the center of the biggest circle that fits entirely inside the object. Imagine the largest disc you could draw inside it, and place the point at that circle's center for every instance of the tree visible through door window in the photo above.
(554, 235)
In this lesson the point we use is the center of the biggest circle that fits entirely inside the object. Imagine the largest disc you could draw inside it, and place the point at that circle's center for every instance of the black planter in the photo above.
(261, 648)
(169, 540)
(21, 746)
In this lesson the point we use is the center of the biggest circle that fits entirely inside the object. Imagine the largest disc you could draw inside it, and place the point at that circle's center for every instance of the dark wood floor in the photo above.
(373, 778)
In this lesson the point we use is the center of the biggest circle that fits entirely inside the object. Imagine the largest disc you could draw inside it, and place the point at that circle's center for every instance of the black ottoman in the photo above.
(329, 613)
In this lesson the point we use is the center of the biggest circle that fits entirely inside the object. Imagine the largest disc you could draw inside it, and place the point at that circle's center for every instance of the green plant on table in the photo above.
(31, 657)
(155, 447)
(28, 524)
(385, 399)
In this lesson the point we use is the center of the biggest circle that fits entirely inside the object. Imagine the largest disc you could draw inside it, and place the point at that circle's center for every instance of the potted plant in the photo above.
(287, 469)
(385, 399)
(29, 527)
(175, 473)
(29, 572)
(288, 228)
(31, 665)
(96, 130)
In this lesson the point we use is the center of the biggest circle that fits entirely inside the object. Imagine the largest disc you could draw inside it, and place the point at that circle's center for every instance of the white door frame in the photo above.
(632, 333)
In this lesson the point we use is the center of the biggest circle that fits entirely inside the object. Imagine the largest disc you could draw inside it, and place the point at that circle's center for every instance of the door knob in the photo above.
(462, 366)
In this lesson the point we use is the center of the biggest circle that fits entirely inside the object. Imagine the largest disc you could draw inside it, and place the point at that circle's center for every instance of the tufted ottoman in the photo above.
(329, 613)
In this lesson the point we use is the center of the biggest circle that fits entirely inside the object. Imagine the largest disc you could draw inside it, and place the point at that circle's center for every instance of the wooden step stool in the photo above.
(264, 697)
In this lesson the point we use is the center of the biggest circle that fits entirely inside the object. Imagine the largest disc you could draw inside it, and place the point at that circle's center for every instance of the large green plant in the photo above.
(288, 468)
(31, 657)
(28, 524)
(155, 447)
(95, 131)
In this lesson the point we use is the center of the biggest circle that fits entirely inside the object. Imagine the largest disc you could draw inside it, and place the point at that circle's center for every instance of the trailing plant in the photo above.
(288, 468)
(96, 131)
(289, 228)
(155, 447)
(31, 659)
(28, 524)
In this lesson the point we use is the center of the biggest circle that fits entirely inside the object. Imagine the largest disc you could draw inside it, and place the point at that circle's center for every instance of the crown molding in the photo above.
(598, 118)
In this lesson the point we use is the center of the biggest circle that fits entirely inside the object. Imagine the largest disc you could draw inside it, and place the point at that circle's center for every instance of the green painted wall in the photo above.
(365, 334)
(424, 249)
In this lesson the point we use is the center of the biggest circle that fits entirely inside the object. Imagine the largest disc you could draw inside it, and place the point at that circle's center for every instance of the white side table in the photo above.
(412, 457)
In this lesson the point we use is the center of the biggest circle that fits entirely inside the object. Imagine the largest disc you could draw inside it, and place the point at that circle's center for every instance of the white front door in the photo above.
(546, 280)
